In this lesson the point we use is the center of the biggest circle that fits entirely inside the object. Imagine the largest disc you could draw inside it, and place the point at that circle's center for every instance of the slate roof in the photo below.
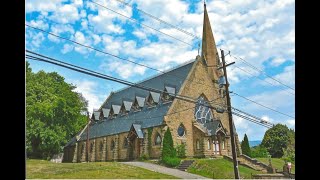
(212, 127)
(147, 117)
(173, 78)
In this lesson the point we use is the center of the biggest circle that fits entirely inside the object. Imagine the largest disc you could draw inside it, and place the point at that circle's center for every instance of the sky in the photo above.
(260, 32)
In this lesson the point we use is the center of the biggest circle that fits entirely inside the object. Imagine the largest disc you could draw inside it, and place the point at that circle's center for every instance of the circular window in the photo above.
(181, 131)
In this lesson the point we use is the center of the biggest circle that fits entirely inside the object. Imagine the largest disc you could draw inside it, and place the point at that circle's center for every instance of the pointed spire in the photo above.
(209, 49)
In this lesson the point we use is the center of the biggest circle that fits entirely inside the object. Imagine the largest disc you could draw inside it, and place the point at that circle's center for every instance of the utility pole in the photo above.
(88, 137)
(233, 142)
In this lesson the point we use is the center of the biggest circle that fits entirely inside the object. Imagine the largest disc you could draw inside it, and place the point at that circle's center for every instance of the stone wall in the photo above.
(156, 149)
(198, 83)
(77, 153)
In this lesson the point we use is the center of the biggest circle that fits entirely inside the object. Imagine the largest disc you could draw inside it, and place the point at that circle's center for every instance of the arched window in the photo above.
(101, 147)
(222, 144)
(91, 147)
(157, 140)
(198, 144)
(209, 145)
(81, 149)
(181, 130)
(125, 142)
(112, 145)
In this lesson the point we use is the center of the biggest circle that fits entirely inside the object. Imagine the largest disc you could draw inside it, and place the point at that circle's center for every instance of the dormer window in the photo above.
(168, 94)
(138, 103)
(96, 115)
(111, 114)
(105, 112)
(153, 99)
(125, 108)
(115, 111)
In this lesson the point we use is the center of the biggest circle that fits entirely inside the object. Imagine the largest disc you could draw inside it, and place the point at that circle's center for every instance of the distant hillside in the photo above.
(254, 143)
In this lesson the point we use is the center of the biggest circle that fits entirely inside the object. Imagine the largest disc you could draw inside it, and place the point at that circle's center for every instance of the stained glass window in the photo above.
(203, 113)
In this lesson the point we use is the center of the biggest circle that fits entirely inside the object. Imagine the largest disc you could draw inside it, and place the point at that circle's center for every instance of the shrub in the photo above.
(171, 161)
(181, 150)
(259, 152)
(143, 157)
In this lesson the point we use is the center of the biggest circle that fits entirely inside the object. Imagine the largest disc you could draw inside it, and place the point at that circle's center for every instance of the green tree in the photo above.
(168, 150)
(169, 154)
(276, 139)
(259, 152)
(54, 113)
(245, 146)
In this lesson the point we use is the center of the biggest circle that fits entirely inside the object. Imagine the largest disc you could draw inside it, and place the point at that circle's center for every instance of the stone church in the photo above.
(131, 122)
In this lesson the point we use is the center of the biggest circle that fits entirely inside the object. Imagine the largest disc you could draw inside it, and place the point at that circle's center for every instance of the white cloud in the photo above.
(59, 29)
(287, 77)
(104, 21)
(66, 14)
(277, 100)
(40, 5)
(37, 39)
(80, 38)
(39, 24)
(89, 91)
(67, 48)
(291, 123)
(267, 118)
(125, 70)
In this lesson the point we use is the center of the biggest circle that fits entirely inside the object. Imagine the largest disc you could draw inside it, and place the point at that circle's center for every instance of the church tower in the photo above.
(209, 51)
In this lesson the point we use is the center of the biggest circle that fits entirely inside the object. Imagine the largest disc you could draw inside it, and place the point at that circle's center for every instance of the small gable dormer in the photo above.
(138, 103)
(168, 94)
(125, 107)
(153, 99)
(96, 115)
(116, 110)
(105, 112)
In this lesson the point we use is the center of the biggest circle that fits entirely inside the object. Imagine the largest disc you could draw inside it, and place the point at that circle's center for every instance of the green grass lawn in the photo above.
(219, 168)
(276, 163)
(107, 170)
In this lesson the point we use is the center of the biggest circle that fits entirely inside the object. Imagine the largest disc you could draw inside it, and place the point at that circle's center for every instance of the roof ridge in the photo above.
(158, 74)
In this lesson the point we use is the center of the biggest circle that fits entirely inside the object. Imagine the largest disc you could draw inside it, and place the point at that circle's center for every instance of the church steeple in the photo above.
(209, 49)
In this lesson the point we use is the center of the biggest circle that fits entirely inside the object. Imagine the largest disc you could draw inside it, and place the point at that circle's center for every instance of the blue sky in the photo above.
(261, 32)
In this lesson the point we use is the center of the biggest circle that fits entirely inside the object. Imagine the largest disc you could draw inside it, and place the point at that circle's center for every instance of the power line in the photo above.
(99, 75)
(249, 119)
(160, 20)
(259, 70)
(260, 78)
(134, 20)
(263, 105)
(103, 76)
(104, 52)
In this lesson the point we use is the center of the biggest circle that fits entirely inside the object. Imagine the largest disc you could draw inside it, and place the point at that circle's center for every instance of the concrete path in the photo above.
(165, 170)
